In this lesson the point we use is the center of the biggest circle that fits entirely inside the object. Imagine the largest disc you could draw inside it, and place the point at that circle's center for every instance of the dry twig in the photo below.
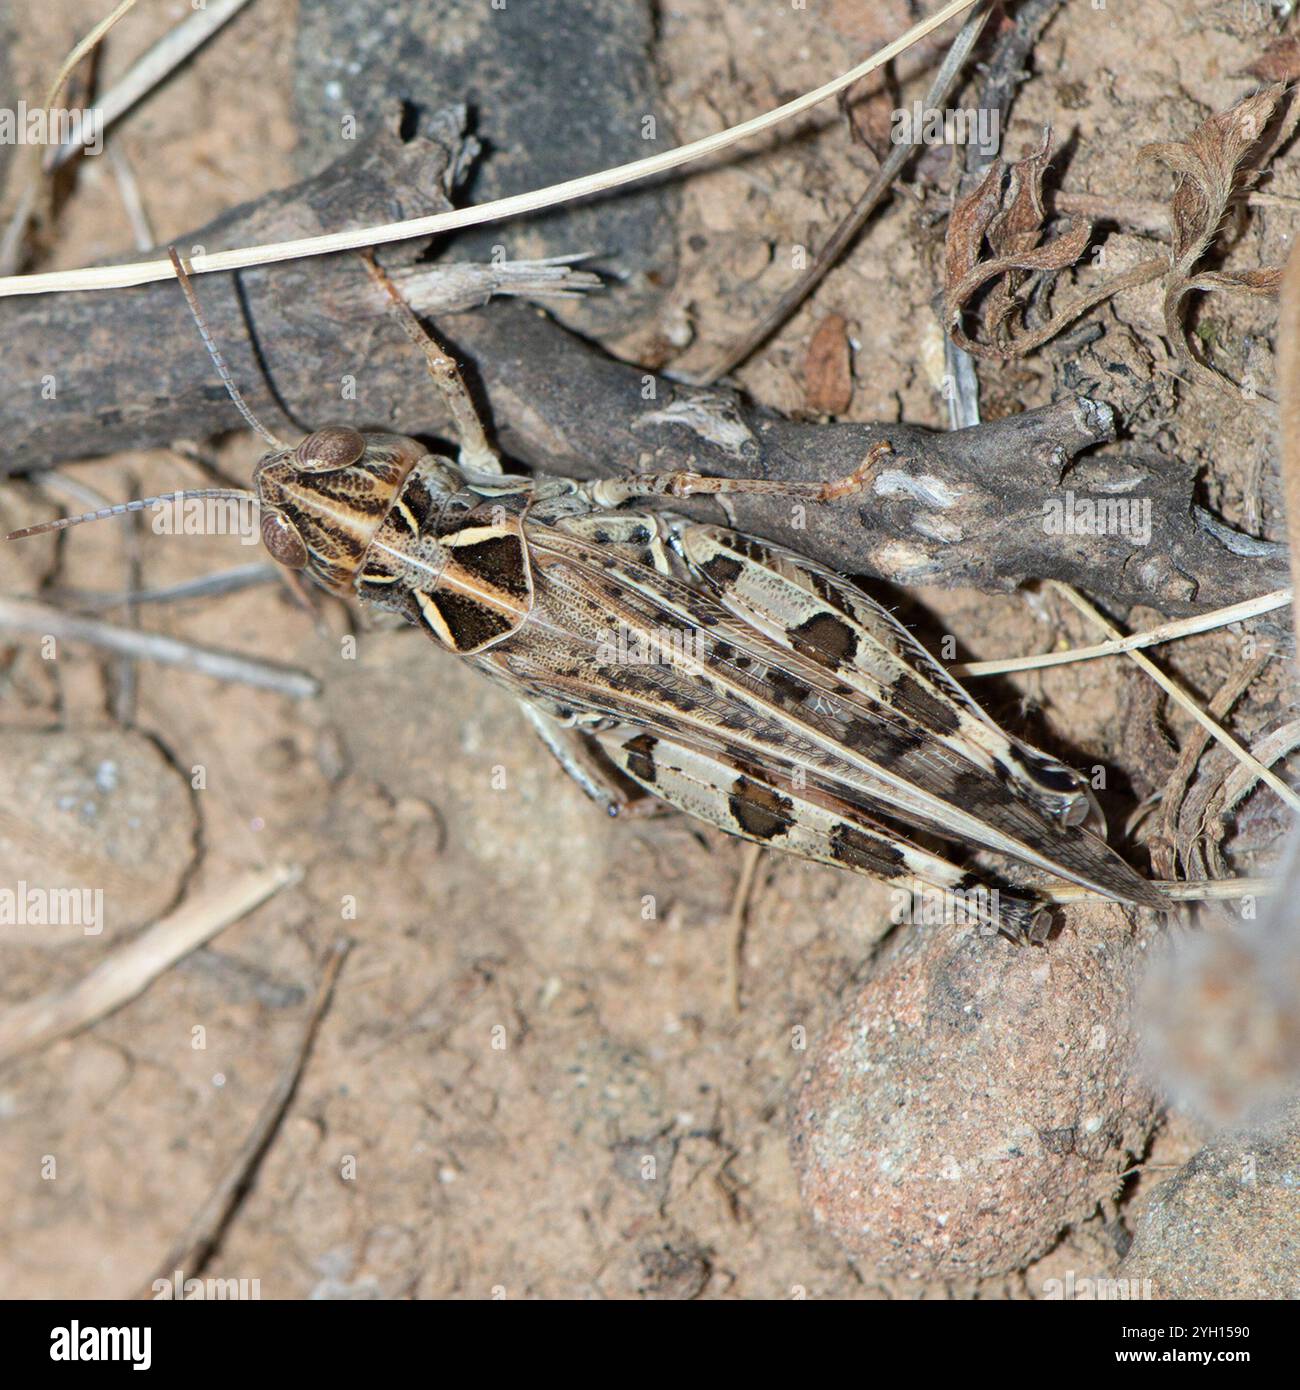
(1181, 697)
(202, 1236)
(130, 969)
(1166, 632)
(26, 615)
(358, 238)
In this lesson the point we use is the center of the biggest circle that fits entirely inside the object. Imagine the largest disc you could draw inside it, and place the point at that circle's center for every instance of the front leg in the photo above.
(477, 456)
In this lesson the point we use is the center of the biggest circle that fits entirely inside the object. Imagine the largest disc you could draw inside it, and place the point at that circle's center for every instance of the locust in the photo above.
(666, 661)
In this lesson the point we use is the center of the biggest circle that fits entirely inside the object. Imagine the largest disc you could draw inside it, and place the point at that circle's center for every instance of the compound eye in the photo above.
(283, 541)
(323, 451)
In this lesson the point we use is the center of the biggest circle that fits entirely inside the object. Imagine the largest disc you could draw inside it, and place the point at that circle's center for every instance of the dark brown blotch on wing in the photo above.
(851, 847)
(825, 639)
(469, 622)
(723, 570)
(640, 757)
(927, 708)
(789, 690)
(760, 811)
(887, 744)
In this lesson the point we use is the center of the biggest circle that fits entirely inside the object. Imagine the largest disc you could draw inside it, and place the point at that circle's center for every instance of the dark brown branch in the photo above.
(128, 371)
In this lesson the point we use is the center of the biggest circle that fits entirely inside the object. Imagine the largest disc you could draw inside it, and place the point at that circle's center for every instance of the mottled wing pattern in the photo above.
(810, 609)
(741, 697)
(813, 826)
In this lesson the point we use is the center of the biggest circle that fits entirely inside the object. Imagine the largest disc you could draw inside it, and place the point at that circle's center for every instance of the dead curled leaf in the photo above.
(1222, 159)
(1012, 224)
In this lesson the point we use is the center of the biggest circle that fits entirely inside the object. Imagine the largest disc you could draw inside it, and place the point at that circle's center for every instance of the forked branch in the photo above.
(86, 374)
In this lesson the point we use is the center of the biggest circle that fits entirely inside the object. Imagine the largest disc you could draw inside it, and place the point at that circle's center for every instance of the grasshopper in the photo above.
(664, 660)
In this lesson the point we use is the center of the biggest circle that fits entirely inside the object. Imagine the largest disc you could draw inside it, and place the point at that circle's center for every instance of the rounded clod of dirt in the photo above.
(973, 1099)
(1225, 1225)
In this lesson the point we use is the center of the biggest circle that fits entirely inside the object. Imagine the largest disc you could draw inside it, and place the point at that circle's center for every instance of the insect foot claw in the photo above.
(1025, 922)
(860, 478)
(1040, 926)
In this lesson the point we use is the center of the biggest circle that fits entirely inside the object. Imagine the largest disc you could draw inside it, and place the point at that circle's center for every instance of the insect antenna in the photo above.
(214, 352)
(137, 504)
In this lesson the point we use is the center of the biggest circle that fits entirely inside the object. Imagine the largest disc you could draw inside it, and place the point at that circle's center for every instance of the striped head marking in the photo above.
(323, 501)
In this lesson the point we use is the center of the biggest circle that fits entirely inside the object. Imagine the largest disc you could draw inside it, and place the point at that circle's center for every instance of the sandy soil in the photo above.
(531, 1077)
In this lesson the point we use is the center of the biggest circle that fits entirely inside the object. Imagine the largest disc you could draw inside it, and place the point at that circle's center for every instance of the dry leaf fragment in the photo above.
(1015, 231)
(966, 228)
(1279, 62)
(827, 373)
